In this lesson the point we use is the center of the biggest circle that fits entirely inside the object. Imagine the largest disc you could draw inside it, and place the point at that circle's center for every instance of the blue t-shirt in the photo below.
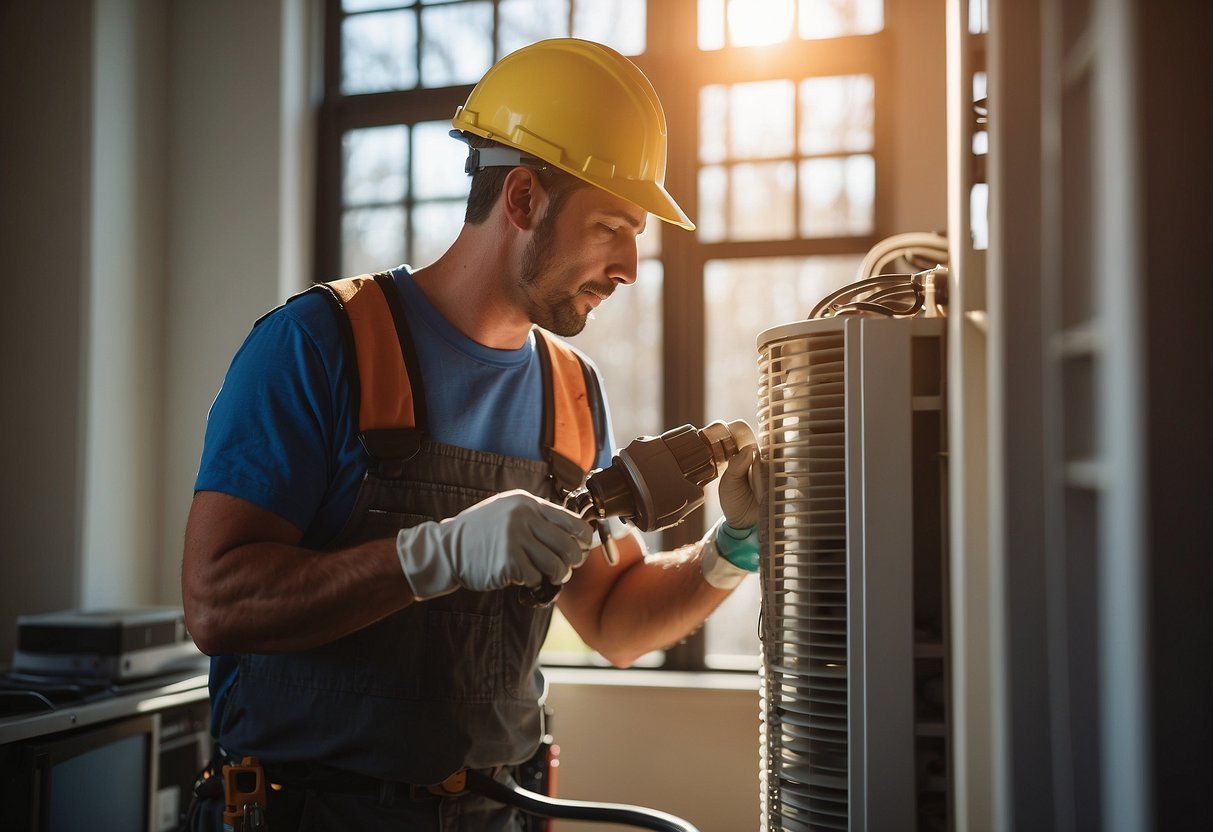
(282, 436)
(281, 433)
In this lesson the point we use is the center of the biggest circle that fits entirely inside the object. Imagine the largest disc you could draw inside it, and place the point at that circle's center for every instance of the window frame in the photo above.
(676, 65)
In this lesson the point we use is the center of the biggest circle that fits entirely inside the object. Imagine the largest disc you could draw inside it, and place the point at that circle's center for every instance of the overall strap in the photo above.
(570, 402)
(386, 389)
(389, 381)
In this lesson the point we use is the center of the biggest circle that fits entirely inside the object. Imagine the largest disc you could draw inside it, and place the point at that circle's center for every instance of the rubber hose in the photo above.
(551, 807)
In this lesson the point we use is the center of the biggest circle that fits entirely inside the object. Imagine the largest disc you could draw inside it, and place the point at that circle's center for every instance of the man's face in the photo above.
(576, 258)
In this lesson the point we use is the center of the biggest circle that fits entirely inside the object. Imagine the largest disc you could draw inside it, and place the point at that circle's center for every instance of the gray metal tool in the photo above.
(653, 483)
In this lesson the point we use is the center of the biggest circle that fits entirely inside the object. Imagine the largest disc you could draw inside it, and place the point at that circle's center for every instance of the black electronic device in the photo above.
(57, 784)
(111, 645)
(126, 763)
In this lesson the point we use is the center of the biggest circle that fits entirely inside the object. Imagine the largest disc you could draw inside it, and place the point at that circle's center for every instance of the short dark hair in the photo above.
(488, 182)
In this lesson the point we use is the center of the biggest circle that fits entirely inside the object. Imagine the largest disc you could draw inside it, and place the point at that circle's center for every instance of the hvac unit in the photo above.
(854, 710)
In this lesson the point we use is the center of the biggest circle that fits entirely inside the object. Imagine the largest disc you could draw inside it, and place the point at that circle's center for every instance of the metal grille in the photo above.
(804, 728)
(853, 621)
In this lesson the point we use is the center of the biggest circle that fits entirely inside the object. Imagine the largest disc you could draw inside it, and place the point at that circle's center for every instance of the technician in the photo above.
(384, 465)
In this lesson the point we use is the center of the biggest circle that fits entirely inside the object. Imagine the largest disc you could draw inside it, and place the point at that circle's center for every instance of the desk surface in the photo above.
(177, 690)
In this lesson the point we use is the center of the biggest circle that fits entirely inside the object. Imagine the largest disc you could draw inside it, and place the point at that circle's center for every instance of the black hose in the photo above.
(551, 807)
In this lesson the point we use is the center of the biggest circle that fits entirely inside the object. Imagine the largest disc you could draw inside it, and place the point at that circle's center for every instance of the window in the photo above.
(775, 151)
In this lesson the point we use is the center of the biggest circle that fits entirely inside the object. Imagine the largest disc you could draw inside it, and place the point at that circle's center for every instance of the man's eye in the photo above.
(608, 229)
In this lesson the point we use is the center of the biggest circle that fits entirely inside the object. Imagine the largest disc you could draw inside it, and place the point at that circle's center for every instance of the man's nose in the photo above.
(624, 268)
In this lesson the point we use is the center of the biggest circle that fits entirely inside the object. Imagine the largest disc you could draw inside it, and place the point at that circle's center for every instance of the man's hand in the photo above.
(740, 489)
(510, 538)
(730, 550)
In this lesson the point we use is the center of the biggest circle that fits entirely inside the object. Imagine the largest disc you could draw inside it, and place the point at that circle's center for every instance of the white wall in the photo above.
(917, 109)
(44, 193)
(123, 363)
(680, 743)
(236, 242)
(154, 202)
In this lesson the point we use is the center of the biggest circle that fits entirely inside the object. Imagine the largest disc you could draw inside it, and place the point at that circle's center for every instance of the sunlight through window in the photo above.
(759, 22)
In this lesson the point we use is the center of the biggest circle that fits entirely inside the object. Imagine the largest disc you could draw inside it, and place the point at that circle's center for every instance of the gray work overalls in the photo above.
(446, 684)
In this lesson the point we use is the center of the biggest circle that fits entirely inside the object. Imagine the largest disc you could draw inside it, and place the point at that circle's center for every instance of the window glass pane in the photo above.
(378, 52)
(760, 119)
(369, 5)
(837, 196)
(713, 197)
(713, 116)
(833, 18)
(759, 22)
(730, 636)
(439, 168)
(711, 24)
(979, 16)
(979, 206)
(619, 24)
(762, 201)
(836, 114)
(435, 227)
(742, 298)
(623, 337)
(526, 21)
(372, 239)
(376, 161)
(648, 244)
(981, 139)
(457, 43)
(563, 646)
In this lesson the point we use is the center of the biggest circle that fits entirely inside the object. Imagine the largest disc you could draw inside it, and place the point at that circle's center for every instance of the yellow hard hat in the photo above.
(581, 107)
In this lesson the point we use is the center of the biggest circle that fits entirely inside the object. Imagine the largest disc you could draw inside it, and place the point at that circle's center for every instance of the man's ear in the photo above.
(522, 197)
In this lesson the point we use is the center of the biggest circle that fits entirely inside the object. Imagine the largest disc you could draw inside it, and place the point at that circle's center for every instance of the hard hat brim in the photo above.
(650, 196)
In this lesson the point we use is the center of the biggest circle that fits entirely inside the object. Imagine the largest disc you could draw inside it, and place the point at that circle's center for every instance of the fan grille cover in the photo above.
(804, 729)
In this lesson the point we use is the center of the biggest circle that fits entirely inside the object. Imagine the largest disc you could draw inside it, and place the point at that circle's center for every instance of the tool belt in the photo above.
(216, 795)
(314, 777)
(290, 787)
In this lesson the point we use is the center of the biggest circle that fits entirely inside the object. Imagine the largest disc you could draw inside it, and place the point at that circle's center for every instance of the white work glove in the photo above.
(510, 538)
(740, 485)
(730, 549)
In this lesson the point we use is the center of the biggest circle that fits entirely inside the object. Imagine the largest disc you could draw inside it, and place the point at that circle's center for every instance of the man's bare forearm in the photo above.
(251, 588)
